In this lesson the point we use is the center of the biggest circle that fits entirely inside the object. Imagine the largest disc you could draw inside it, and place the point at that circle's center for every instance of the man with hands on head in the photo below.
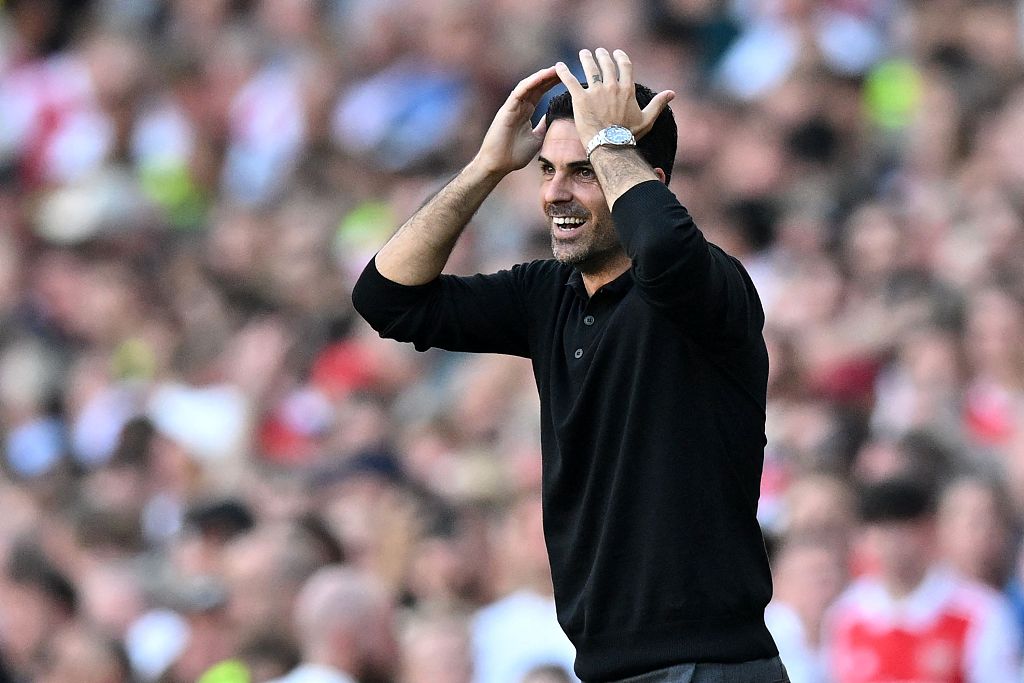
(647, 350)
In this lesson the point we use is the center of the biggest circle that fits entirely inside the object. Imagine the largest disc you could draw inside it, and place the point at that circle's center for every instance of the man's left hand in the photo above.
(610, 97)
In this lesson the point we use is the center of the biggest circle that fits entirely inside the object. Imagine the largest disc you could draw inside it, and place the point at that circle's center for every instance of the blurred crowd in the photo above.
(213, 470)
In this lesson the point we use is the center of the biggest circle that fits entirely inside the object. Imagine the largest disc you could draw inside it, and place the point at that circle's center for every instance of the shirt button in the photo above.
(579, 353)
(589, 320)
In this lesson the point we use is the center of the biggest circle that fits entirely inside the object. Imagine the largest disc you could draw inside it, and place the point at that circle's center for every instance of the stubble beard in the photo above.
(586, 259)
(591, 254)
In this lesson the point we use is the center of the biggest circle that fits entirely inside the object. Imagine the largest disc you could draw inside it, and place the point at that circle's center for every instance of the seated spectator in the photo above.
(344, 622)
(190, 412)
(264, 569)
(820, 506)
(80, 655)
(808, 574)
(520, 631)
(915, 620)
(436, 649)
(974, 528)
(36, 600)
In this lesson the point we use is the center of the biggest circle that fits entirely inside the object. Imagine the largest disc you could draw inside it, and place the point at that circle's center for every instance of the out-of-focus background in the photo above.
(212, 468)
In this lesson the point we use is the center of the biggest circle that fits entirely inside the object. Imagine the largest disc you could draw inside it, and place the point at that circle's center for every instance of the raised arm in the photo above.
(610, 99)
(675, 269)
(402, 294)
(418, 252)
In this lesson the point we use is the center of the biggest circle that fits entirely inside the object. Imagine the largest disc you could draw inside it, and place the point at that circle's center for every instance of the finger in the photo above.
(571, 84)
(590, 67)
(541, 128)
(625, 66)
(658, 103)
(536, 92)
(533, 81)
(655, 107)
(608, 68)
(535, 84)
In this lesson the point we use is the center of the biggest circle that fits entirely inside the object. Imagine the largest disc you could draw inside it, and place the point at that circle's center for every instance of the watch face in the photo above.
(618, 135)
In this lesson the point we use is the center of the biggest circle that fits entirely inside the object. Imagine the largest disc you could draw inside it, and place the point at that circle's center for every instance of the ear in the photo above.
(661, 175)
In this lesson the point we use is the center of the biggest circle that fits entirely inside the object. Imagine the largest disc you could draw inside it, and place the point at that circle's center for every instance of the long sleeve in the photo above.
(481, 313)
(680, 273)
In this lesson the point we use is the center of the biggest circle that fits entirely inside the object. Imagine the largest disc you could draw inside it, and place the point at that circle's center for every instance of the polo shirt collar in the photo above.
(617, 288)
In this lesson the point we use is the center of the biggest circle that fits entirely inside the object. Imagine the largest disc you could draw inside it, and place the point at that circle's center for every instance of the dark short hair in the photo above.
(28, 565)
(657, 147)
(895, 500)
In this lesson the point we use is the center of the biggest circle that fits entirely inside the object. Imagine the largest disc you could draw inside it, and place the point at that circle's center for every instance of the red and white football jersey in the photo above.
(948, 630)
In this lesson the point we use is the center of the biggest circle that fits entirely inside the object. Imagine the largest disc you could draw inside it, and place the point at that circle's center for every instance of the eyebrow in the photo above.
(572, 165)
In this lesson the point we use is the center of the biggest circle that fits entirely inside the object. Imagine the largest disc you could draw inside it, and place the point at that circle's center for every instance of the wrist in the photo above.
(480, 170)
(614, 136)
(587, 133)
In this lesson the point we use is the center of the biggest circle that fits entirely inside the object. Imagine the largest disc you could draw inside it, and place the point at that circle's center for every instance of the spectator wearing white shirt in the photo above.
(344, 619)
(808, 574)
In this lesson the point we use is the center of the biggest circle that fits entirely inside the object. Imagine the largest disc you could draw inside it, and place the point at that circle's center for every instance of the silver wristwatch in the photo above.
(615, 136)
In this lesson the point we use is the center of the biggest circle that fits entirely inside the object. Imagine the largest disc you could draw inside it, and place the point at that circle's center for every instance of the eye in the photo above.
(586, 173)
(547, 169)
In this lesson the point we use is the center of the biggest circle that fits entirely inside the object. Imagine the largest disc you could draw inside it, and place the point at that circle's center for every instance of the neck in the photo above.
(596, 278)
(902, 584)
(338, 659)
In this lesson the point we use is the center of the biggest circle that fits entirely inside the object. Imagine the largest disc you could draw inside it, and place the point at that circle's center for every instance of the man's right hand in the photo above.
(417, 253)
(511, 141)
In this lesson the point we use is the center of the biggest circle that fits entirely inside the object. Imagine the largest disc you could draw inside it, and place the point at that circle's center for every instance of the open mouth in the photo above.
(567, 225)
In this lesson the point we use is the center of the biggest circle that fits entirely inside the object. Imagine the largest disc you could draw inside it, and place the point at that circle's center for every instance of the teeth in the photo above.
(567, 220)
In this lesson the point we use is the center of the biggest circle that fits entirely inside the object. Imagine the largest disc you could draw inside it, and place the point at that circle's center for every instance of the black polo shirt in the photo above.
(652, 432)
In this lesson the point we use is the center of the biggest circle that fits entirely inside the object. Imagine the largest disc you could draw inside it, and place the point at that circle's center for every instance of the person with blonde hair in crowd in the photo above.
(345, 624)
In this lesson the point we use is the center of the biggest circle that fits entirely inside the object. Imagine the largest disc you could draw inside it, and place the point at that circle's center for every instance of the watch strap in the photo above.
(602, 138)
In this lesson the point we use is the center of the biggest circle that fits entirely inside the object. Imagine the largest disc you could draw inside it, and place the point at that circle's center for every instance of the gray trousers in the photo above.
(758, 671)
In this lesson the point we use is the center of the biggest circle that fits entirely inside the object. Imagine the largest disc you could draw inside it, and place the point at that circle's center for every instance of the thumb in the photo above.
(655, 107)
(541, 128)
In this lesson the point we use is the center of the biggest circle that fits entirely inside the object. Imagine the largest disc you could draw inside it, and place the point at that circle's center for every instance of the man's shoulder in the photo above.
(544, 268)
(541, 275)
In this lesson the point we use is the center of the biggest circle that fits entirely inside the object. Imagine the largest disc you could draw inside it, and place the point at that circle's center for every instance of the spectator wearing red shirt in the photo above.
(914, 620)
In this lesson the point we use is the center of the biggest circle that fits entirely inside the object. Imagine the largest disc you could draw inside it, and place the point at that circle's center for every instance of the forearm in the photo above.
(678, 271)
(418, 252)
(481, 313)
(619, 169)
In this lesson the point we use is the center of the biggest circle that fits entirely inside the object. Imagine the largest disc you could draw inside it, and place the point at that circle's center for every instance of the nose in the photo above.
(556, 189)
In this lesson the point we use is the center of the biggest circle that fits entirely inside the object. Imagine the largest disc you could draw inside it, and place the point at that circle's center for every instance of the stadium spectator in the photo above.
(974, 529)
(809, 573)
(914, 619)
(436, 647)
(78, 654)
(185, 205)
(519, 631)
(344, 621)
